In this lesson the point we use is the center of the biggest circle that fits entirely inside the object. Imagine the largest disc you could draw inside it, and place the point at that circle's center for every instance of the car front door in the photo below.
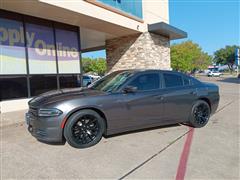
(179, 95)
(145, 105)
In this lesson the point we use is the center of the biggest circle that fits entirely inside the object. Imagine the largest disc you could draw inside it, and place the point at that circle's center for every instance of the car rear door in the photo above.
(179, 95)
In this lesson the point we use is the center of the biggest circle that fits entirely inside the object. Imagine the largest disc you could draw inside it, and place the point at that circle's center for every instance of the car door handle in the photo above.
(159, 97)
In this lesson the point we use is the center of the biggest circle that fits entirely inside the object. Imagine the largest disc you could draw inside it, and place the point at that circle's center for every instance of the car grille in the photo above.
(33, 111)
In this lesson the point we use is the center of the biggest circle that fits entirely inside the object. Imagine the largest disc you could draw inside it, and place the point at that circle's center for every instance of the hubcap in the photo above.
(85, 129)
(201, 114)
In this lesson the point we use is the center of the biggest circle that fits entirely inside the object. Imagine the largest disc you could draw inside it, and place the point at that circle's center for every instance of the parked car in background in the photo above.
(214, 74)
(87, 80)
(94, 77)
(121, 101)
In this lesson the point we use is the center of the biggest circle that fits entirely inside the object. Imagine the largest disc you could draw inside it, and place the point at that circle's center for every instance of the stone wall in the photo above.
(141, 51)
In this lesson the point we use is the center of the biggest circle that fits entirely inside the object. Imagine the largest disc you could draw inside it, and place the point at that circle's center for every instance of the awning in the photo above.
(167, 30)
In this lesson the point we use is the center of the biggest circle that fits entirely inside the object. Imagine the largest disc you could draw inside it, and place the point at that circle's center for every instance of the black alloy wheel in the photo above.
(84, 129)
(200, 114)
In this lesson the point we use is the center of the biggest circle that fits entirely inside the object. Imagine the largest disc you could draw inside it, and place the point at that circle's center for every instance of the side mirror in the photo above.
(130, 89)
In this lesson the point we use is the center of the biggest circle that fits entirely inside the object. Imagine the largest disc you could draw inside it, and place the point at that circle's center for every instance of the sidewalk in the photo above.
(11, 118)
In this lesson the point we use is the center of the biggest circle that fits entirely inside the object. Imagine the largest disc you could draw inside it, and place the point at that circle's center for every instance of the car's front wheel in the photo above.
(200, 114)
(84, 129)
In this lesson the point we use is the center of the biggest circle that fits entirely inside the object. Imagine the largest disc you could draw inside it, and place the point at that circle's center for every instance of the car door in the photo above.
(179, 95)
(144, 106)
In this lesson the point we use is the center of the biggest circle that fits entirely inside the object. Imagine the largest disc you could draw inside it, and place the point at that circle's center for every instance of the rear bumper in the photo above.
(214, 105)
(45, 129)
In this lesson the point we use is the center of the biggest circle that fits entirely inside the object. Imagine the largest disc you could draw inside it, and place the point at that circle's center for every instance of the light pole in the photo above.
(237, 59)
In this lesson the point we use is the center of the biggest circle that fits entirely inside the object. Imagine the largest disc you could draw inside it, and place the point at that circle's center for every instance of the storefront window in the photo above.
(41, 49)
(12, 47)
(29, 62)
(69, 81)
(67, 51)
(42, 83)
(12, 87)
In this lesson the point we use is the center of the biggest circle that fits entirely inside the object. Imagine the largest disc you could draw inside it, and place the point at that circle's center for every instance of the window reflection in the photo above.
(13, 87)
(42, 83)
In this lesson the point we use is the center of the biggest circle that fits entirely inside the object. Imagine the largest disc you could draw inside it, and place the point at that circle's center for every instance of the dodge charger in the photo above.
(122, 101)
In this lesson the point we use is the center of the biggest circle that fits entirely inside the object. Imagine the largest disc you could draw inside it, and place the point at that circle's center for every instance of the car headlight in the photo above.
(49, 112)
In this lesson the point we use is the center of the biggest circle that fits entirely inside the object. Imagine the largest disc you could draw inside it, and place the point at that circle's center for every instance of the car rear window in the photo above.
(195, 81)
(186, 81)
(172, 80)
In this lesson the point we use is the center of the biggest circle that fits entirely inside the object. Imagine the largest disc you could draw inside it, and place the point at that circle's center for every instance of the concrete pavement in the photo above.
(152, 154)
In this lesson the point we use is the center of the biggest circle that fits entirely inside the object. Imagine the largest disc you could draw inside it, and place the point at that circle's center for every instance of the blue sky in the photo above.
(212, 24)
(95, 54)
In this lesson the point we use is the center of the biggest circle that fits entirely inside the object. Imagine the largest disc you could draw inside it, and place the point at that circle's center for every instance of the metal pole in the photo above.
(237, 70)
(237, 60)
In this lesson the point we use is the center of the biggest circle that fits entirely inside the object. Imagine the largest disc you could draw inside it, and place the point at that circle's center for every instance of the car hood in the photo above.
(61, 95)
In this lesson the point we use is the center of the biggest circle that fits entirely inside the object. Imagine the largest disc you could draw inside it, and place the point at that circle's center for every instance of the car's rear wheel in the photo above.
(84, 129)
(200, 114)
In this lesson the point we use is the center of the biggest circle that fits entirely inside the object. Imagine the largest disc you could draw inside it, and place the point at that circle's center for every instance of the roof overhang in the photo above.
(167, 30)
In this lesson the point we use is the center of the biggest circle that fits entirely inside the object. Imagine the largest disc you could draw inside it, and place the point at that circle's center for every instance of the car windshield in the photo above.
(111, 82)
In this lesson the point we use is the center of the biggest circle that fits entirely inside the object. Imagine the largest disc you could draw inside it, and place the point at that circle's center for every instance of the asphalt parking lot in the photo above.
(175, 152)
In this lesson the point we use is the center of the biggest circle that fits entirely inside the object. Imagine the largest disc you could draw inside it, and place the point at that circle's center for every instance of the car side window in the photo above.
(172, 80)
(146, 82)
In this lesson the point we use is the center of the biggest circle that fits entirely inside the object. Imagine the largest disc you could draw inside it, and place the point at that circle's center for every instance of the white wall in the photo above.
(13, 105)
(155, 11)
(91, 10)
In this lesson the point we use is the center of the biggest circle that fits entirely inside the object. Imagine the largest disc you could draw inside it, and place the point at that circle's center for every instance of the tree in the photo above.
(203, 61)
(94, 65)
(188, 56)
(226, 56)
(86, 62)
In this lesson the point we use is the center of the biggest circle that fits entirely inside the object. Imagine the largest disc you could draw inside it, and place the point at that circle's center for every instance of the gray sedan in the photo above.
(121, 101)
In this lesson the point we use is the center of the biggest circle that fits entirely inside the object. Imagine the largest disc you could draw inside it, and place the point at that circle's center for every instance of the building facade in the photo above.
(41, 42)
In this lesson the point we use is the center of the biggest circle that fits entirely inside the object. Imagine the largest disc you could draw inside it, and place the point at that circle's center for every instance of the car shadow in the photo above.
(53, 143)
(118, 134)
(230, 80)
(141, 130)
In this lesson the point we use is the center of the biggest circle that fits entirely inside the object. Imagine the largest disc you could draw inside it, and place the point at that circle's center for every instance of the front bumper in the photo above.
(47, 129)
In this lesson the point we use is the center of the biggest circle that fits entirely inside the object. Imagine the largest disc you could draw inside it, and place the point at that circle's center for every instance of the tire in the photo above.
(84, 129)
(200, 114)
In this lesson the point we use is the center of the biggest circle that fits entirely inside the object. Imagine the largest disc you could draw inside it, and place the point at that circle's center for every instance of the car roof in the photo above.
(147, 70)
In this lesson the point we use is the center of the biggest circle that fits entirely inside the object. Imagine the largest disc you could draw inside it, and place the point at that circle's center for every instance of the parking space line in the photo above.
(182, 166)
(153, 156)
(225, 106)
